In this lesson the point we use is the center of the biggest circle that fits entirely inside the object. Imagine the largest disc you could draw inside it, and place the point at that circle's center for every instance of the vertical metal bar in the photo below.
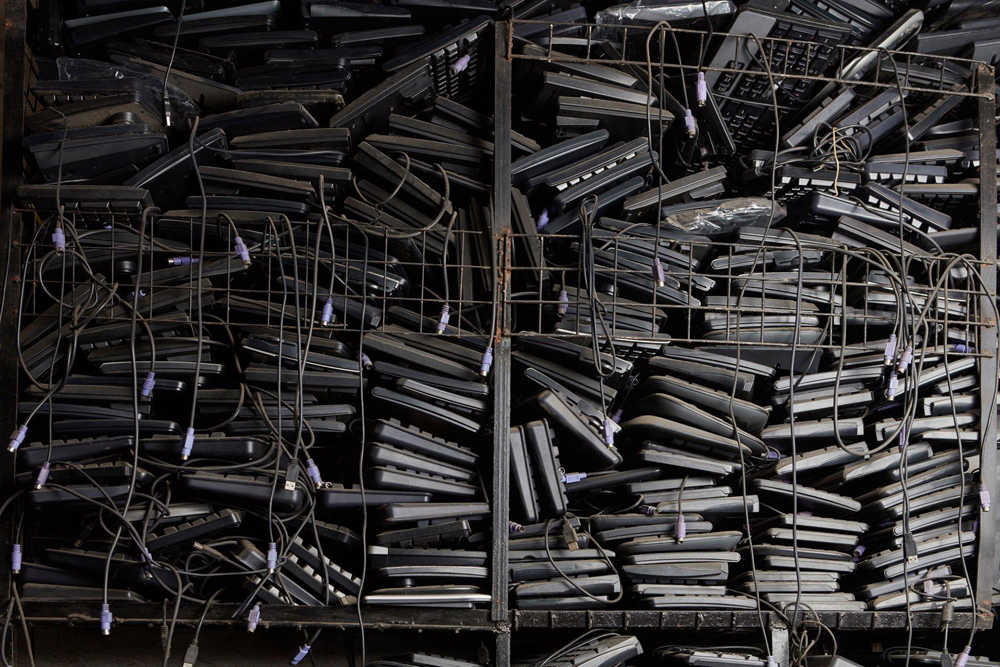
(501, 359)
(15, 18)
(986, 572)
(503, 649)
(780, 647)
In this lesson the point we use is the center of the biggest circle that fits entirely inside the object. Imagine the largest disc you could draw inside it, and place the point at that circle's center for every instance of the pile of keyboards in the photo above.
(261, 293)
(746, 369)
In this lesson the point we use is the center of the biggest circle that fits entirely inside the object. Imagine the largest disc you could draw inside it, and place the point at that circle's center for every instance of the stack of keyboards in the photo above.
(261, 294)
(257, 217)
(747, 377)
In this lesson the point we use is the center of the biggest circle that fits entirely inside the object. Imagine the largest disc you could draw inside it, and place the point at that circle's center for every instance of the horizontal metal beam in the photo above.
(724, 620)
(145, 613)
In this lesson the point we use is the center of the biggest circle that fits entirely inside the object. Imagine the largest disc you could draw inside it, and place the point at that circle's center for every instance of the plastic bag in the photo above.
(80, 69)
(722, 217)
(647, 12)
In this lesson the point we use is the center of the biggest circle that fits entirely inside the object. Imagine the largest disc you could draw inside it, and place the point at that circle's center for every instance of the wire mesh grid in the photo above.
(709, 296)
(588, 43)
(706, 297)
(400, 282)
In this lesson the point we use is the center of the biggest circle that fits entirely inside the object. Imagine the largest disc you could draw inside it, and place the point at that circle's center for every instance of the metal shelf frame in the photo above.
(499, 619)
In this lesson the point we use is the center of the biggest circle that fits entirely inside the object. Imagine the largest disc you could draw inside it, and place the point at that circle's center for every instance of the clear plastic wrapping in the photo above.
(651, 12)
(80, 69)
(724, 217)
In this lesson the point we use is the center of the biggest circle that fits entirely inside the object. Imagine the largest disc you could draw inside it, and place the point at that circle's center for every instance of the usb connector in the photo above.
(191, 655)
(910, 549)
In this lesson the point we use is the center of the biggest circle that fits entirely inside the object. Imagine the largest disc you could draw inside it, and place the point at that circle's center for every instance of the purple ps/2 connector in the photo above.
(461, 64)
(105, 620)
(984, 498)
(272, 557)
(148, 384)
(486, 362)
(303, 652)
(702, 88)
(313, 471)
(242, 251)
(890, 350)
(681, 528)
(15, 559)
(366, 361)
(904, 361)
(327, 315)
(658, 275)
(17, 438)
(963, 349)
(43, 475)
(609, 432)
(690, 124)
(890, 391)
(543, 219)
(59, 239)
(254, 618)
(183, 260)
(963, 657)
(563, 307)
(445, 316)
(188, 444)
